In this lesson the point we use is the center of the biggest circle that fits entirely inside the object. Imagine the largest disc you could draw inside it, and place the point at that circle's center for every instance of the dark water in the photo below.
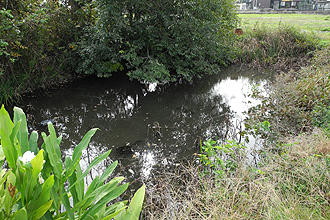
(148, 128)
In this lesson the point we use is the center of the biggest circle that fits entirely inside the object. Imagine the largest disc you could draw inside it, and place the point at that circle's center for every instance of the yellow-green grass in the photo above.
(310, 23)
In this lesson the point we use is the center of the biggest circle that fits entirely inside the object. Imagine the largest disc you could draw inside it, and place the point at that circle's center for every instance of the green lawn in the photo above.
(317, 24)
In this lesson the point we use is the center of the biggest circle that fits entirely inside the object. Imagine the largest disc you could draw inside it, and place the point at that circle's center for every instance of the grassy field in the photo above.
(310, 23)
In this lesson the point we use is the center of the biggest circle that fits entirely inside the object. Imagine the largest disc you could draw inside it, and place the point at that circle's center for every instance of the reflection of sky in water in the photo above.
(234, 92)
(148, 161)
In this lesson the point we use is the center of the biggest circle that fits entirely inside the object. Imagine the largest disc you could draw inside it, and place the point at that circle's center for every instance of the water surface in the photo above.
(147, 127)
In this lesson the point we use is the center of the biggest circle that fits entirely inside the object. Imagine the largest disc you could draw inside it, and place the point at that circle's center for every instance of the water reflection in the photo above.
(146, 126)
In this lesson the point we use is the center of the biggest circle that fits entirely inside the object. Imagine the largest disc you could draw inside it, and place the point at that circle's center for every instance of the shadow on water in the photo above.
(147, 127)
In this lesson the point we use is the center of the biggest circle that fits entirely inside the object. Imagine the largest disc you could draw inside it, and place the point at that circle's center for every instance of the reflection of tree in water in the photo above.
(199, 117)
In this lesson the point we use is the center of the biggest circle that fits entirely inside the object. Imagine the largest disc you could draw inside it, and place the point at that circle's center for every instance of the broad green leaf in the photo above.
(5, 122)
(37, 163)
(42, 210)
(54, 140)
(13, 137)
(33, 143)
(54, 196)
(96, 161)
(8, 201)
(115, 207)
(102, 191)
(2, 154)
(80, 185)
(135, 206)
(31, 177)
(121, 212)
(52, 153)
(22, 134)
(98, 194)
(42, 198)
(9, 150)
(82, 145)
(87, 200)
(106, 199)
(92, 186)
(108, 172)
(111, 216)
(112, 183)
(72, 179)
(21, 215)
(66, 203)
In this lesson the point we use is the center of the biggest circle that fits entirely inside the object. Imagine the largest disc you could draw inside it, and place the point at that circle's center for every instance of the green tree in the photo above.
(35, 39)
(159, 40)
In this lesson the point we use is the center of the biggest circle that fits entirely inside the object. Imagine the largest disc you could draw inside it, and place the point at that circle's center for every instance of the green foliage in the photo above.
(220, 160)
(321, 116)
(34, 43)
(41, 186)
(159, 40)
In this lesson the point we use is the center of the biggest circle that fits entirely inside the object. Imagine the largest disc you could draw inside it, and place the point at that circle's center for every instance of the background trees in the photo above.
(34, 43)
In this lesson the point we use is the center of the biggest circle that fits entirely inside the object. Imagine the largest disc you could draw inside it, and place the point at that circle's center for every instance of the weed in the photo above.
(220, 160)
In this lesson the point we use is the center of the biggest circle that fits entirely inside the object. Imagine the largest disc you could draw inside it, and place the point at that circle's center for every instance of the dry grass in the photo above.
(294, 185)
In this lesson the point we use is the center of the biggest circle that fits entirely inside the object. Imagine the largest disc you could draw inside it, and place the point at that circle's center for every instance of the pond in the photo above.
(147, 127)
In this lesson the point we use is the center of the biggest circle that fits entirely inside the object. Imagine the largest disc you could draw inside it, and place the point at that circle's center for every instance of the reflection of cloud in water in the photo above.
(152, 87)
(148, 161)
(129, 105)
(234, 92)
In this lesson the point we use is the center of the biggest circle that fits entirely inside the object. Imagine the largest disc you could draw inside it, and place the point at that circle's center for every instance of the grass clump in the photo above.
(280, 48)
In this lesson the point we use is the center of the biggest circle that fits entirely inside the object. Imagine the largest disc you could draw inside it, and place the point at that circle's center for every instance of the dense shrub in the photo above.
(34, 44)
(159, 40)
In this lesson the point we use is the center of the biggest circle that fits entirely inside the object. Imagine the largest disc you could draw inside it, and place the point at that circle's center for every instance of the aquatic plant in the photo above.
(220, 160)
(36, 183)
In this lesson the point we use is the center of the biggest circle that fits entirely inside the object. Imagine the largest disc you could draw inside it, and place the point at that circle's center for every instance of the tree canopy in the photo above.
(158, 40)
